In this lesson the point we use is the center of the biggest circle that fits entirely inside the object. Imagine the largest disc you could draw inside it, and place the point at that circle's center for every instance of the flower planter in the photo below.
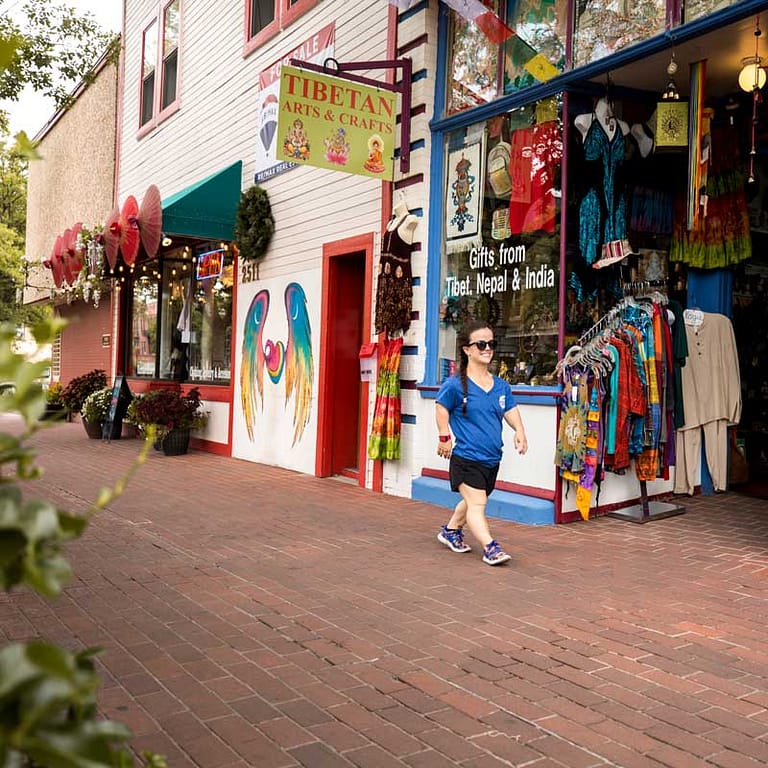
(176, 442)
(129, 431)
(54, 412)
(92, 429)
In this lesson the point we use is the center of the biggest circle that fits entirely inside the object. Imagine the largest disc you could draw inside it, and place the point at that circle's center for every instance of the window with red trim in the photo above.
(160, 63)
(264, 18)
(148, 59)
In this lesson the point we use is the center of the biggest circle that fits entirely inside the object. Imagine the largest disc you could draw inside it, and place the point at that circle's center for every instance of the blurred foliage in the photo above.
(48, 706)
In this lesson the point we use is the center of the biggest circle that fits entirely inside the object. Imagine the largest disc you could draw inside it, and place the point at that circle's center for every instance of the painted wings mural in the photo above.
(292, 359)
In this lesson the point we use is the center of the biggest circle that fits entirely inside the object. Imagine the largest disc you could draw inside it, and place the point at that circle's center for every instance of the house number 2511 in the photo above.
(249, 271)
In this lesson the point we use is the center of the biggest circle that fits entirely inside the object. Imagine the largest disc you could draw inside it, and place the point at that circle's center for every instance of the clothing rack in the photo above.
(646, 510)
(637, 287)
(604, 322)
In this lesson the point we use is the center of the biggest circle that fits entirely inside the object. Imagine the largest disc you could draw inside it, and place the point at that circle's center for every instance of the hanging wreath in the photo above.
(254, 225)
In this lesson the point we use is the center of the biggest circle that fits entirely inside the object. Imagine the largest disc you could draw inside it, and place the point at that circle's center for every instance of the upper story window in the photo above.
(149, 55)
(170, 54)
(262, 14)
(160, 54)
(264, 18)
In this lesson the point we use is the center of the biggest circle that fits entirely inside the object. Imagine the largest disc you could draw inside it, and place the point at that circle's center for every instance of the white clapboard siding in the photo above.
(217, 122)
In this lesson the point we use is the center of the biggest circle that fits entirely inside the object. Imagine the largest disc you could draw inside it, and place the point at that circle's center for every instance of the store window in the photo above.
(160, 53)
(536, 51)
(605, 27)
(501, 239)
(181, 316)
(694, 9)
(482, 70)
(264, 18)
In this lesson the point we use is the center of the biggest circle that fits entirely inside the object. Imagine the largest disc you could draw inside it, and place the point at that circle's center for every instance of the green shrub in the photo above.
(80, 387)
(53, 393)
(166, 409)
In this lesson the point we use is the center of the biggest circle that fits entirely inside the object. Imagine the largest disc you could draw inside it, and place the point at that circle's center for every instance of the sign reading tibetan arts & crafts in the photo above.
(314, 50)
(328, 122)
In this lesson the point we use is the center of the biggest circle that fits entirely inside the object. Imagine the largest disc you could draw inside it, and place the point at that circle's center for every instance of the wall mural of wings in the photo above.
(292, 358)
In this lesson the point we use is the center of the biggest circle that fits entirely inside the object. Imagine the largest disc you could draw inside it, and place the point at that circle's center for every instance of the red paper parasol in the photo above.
(49, 263)
(74, 254)
(151, 220)
(57, 261)
(129, 230)
(111, 233)
(65, 262)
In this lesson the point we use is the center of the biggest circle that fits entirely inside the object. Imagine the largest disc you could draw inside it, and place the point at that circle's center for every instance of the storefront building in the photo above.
(72, 183)
(526, 194)
(198, 122)
(507, 187)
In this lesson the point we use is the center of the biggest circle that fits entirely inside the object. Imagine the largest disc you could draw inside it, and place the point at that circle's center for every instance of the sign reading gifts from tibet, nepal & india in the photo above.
(341, 125)
(491, 271)
(314, 50)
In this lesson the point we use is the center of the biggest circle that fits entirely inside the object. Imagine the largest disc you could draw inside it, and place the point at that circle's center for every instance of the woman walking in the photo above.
(473, 405)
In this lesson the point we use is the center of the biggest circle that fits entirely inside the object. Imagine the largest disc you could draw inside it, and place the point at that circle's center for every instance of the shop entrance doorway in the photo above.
(345, 325)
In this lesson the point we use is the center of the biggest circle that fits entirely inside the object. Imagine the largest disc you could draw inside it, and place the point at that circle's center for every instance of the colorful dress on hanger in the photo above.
(384, 440)
(602, 211)
(572, 437)
(586, 481)
(394, 290)
(536, 154)
(723, 237)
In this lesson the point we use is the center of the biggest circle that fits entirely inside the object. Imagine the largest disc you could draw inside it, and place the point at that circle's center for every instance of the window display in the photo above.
(182, 316)
(502, 239)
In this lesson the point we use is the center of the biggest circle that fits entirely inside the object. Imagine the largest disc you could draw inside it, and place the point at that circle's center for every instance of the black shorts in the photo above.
(475, 475)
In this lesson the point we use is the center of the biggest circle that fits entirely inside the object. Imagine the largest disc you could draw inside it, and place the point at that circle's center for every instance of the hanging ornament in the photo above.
(671, 129)
(752, 78)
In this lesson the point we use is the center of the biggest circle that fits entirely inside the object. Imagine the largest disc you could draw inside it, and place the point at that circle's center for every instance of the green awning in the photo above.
(207, 208)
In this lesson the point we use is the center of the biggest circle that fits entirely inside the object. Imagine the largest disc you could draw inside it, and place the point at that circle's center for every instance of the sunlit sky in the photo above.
(32, 111)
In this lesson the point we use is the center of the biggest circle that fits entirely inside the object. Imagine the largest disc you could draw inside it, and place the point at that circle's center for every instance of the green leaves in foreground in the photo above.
(31, 536)
(48, 714)
(48, 710)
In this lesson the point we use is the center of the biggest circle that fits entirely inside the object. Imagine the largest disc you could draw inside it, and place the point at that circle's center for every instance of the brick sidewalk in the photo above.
(257, 617)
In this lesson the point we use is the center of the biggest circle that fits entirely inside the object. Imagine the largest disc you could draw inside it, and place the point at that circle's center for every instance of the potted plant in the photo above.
(54, 405)
(74, 393)
(95, 410)
(173, 415)
(131, 421)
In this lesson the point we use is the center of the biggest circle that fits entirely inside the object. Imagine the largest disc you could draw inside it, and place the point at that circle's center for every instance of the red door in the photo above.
(346, 293)
(342, 413)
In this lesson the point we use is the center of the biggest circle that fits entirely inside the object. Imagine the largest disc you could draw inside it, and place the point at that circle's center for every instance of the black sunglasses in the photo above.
(482, 344)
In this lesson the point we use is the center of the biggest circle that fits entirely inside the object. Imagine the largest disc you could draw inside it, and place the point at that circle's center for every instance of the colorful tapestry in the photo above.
(464, 193)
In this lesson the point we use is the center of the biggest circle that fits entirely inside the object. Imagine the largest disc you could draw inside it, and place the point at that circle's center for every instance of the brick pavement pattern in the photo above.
(253, 616)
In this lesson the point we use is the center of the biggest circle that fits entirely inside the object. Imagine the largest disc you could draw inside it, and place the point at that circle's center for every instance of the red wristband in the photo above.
(444, 438)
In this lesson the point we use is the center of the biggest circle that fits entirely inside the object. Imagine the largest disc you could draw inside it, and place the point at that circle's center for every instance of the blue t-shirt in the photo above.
(478, 434)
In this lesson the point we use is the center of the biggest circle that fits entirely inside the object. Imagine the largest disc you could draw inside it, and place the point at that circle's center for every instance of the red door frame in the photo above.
(333, 250)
